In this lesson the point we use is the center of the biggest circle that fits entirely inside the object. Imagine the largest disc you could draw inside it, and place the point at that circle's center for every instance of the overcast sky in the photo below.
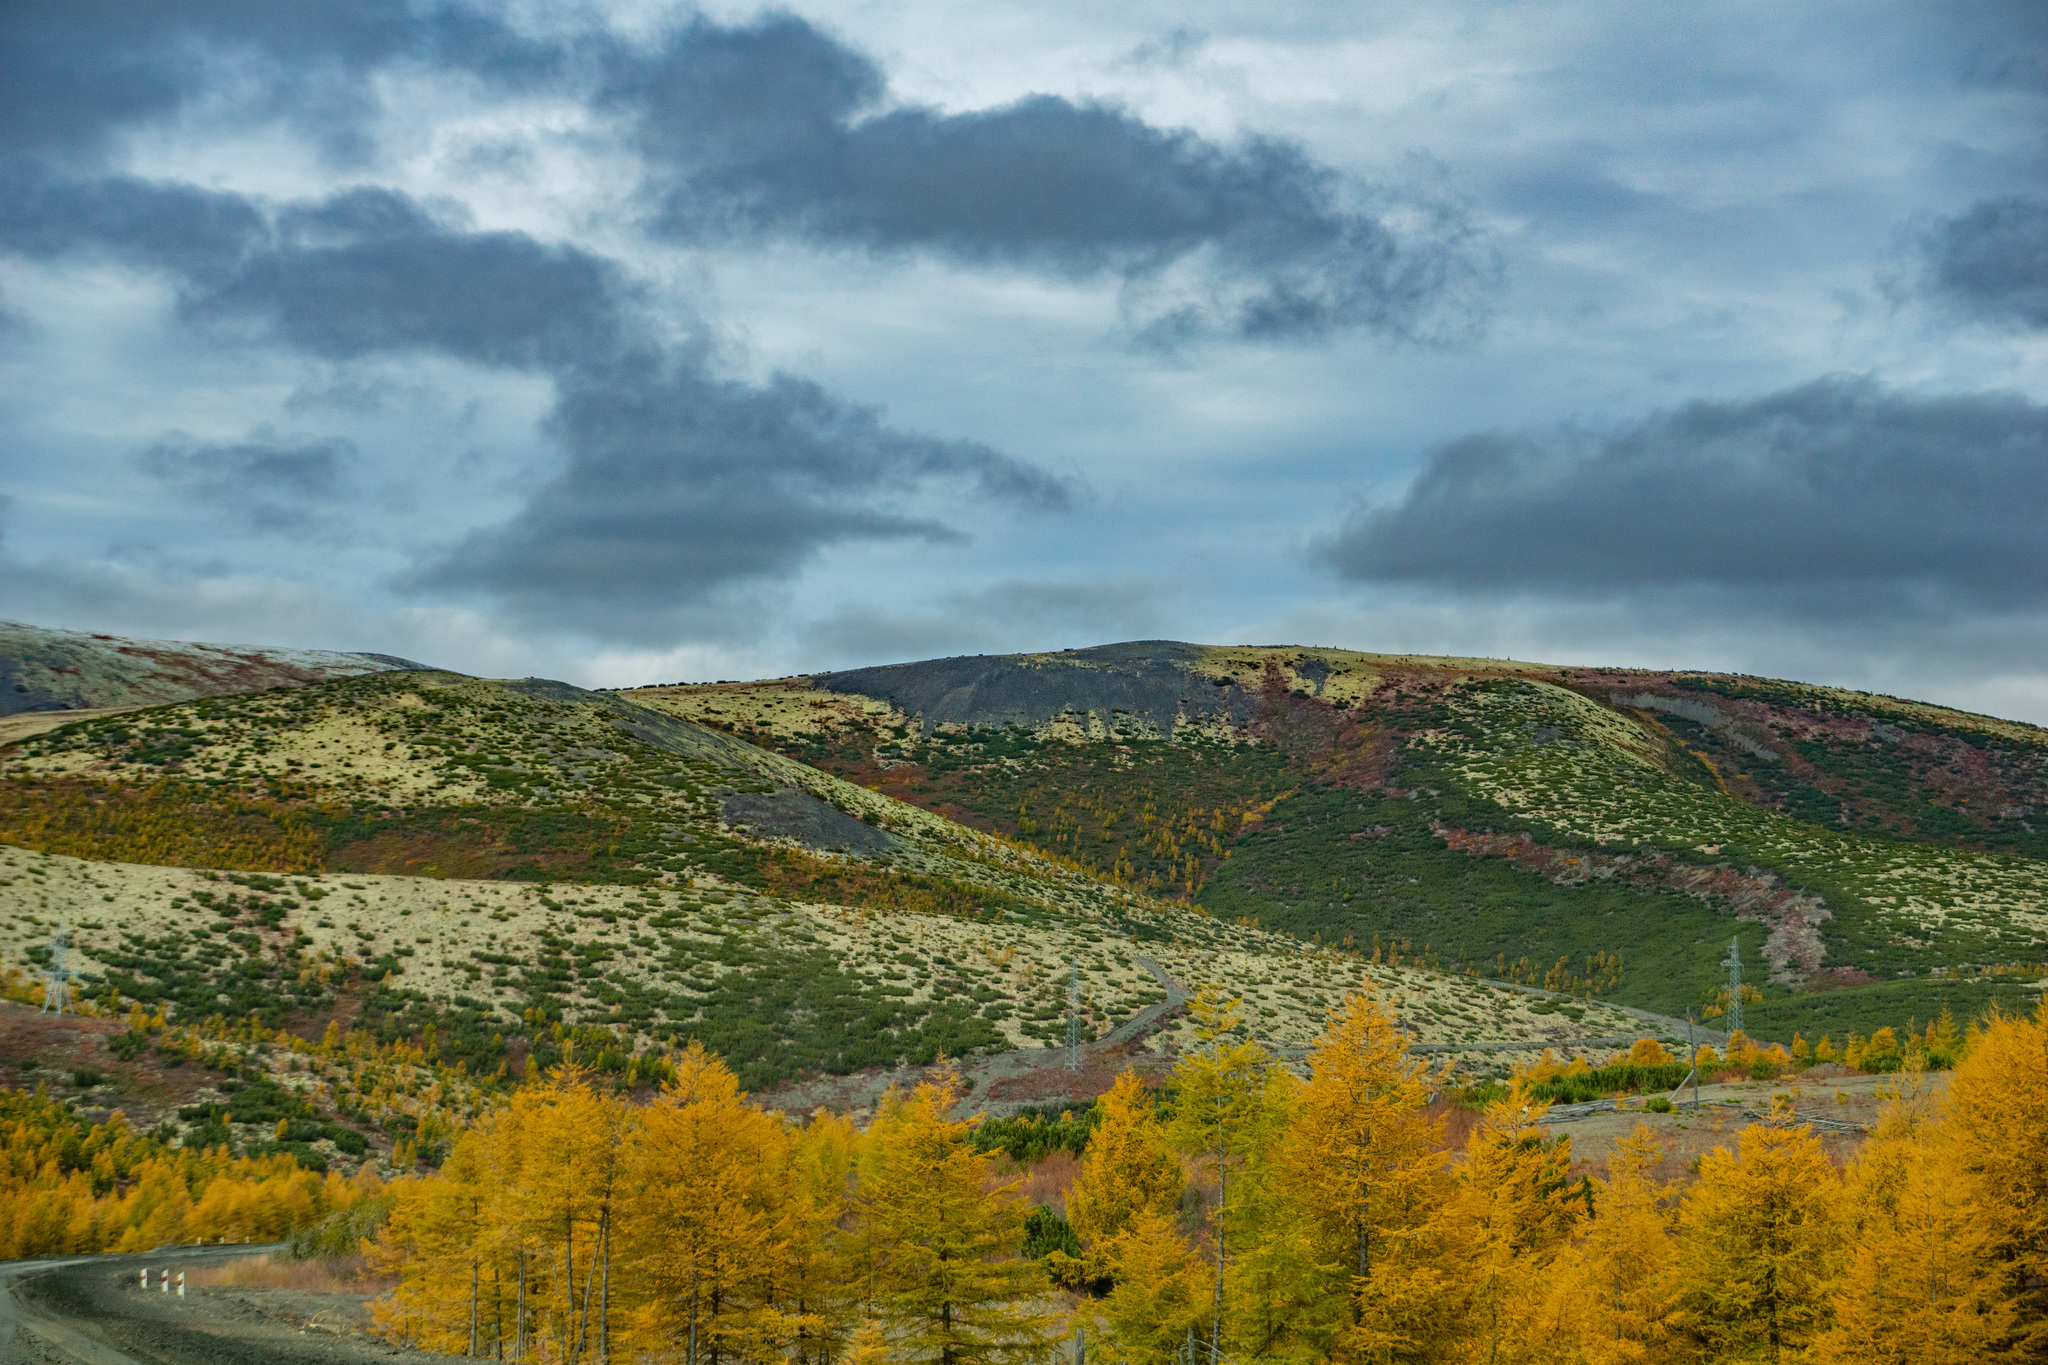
(627, 342)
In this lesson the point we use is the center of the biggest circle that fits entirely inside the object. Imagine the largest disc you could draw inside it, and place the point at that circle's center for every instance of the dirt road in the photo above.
(92, 1310)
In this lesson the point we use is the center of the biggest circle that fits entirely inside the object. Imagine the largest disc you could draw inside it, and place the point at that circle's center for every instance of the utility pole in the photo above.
(1073, 1016)
(1734, 965)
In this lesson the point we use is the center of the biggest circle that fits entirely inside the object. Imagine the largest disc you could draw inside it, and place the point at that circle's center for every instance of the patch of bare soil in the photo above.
(68, 1054)
(1725, 1110)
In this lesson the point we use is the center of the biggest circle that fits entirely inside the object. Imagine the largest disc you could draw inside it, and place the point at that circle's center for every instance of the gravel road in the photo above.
(91, 1310)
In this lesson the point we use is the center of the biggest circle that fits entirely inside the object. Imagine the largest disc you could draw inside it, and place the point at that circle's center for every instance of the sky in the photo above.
(626, 342)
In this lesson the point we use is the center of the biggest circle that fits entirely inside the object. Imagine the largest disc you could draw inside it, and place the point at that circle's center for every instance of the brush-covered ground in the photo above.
(1603, 831)
(498, 873)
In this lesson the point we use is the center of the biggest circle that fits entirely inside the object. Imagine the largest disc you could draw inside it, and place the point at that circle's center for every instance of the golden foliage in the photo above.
(1325, 1226)
(169, 822)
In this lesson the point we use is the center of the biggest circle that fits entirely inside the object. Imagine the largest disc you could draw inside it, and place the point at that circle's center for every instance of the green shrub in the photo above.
(1619, 1079)
(341, 1235)
(85, 1078)
(1658, 1104)
(1045, 1232)
(1027, 1137)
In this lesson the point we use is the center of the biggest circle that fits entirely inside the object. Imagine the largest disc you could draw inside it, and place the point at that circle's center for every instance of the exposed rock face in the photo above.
(1148, 685)
(800, 816)
(1710, 716)
(42, 669)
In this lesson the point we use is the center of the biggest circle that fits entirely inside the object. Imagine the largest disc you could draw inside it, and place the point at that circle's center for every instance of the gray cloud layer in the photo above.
(1991, 263)
(74, 71)
(1840, 488)
(678, 484)
(775, 129)
(270, 484)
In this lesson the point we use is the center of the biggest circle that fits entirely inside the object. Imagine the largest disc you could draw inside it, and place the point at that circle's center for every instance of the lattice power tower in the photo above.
(1734, 965)
(1073, 1016)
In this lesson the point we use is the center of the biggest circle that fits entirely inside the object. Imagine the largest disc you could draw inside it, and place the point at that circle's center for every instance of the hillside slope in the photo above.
(42, 669)
(522, 865)
(1603, 829)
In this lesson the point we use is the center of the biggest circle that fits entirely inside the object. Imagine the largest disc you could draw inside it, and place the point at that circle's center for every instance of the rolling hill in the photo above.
(1594, 829)
(514, 868)
(42, 669)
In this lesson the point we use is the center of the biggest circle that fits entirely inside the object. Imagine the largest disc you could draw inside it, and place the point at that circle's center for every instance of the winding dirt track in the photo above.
(91, 1310)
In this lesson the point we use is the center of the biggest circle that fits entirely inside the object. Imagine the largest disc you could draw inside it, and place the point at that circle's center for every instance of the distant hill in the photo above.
(1527, 820)
(42, 669)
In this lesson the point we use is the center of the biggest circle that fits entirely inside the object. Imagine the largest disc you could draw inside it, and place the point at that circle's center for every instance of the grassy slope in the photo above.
(502, 859)
(1330, 792)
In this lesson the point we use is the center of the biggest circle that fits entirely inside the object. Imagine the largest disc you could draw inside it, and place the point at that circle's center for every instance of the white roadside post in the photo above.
(181, 1284)
(166, 1285)
(145, 1277)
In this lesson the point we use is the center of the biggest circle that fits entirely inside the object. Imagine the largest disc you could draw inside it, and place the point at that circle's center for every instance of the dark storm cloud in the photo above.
(774, 129)
(270, 484)
(1991, 263)
(677, 483)
(1837, 487)
(680, 483)
(73, 72)
(191, 233)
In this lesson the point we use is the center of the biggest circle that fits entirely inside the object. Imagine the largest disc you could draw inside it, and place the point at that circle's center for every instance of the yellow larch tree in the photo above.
(700, 1241)
(1996, 1126)
(807, 1196)
(1649, 1052)
(940, 1244)
(1365, 1191)
(1126, 1171)
(1163, 1295)
(1231, 1103)
(1922, 1285)
(1518, 1205)
(556, 1161)
(437, 1239)
(1759, 1245)
(1608, 1292)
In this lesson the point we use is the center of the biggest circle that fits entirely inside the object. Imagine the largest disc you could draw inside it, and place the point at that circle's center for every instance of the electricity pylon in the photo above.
(1073, 1016)
(1734, 965)
(58, 978)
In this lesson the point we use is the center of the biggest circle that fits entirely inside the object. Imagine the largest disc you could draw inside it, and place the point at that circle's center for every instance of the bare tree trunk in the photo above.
(604, 1301)
(519, 1313)
(1222, 1203)
(475, 1282)
(583, 1322)
(692, 1357)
